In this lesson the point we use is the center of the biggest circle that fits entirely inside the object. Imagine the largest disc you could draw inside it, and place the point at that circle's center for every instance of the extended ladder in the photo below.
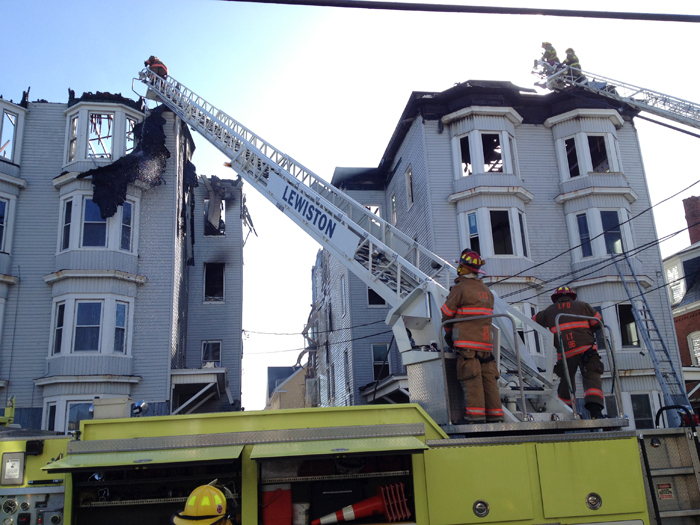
(412, 279)
(671, 383)
(659, 104)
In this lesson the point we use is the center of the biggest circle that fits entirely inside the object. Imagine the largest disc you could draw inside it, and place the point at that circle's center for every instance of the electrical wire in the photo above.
(487, 10)
(319, 332)
(334, 343)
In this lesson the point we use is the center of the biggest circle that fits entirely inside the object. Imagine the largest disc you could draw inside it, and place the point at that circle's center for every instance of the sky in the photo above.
(327, 86)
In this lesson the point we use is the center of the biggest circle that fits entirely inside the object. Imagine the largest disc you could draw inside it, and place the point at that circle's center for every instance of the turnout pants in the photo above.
(591, 371)
(480, 376)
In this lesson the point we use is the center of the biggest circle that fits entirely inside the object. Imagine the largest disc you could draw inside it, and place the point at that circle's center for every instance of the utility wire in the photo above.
(334, 343)
(484, 10)
(319, 332)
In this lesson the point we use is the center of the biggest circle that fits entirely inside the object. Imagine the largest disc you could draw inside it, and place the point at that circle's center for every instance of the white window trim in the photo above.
(595, 229)
(19, 129)
(113, 226)
(392, 206)
(107, 324)
(221, 351)
(583, 154)
(693, 359)
(476, 153)
(74, 325)
(10, 211)
(483, 221)
(62, 402)
(388, 359)
(655, 401)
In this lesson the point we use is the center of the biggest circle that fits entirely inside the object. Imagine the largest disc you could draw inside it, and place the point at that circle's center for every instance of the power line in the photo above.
(334, 343)
(484, 10)
(319, 332)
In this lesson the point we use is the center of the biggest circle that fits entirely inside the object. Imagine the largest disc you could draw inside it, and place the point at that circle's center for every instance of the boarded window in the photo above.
(583, 235)
(214, 281)
(500, 230)
(493, 158)
(572, 157)
(466, 156)
(599, 154)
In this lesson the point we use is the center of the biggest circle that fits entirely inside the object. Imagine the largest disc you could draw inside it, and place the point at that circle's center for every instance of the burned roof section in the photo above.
(103, 96)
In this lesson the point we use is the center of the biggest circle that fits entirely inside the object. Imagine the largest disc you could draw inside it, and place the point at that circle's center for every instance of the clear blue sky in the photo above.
(327, 86)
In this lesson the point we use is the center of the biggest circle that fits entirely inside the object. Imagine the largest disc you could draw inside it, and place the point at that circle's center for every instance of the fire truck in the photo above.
(407, 463)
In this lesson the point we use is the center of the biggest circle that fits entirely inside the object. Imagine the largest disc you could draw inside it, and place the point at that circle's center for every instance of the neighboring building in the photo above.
(103, 290)
(286, 387)
(682, 271)
(520, 178)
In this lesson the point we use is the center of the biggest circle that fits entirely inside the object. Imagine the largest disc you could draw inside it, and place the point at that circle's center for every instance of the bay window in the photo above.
(496, 231)
(486, 152)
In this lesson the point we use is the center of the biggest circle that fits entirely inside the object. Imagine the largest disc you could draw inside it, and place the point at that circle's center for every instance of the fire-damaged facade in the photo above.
(547, 188)
(120, 276)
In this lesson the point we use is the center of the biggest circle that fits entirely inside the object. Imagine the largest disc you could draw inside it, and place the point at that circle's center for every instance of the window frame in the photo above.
(384, 304)
(392, 204)
(374, 362)
(584, 157)
(125, 328)
(217, 363)
(58, 339)
(113, 225)
(606, 234)
(343, 296)
(409, 187)
(211, 299)
(108, 155)
(470, 235)
(64, 242)
(62, 405)
(84, 221)
(583, 243)
(13, 140)
(474, 142)
(627, 347)
(130, 226)
(4, 223)
(694, 357)
(510, 231)
(75, 326)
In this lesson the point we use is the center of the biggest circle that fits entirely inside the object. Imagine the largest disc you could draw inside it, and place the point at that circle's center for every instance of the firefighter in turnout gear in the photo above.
(579, 345)
(472, 340)
(154, 64)
(550, 54)
(571, 61)
(206, 505)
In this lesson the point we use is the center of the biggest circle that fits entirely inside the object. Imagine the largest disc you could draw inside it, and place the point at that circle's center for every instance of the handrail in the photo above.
(691, 422)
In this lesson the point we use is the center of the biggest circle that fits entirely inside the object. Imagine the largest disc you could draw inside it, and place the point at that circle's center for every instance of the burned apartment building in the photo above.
(542, 186)
(120, 274)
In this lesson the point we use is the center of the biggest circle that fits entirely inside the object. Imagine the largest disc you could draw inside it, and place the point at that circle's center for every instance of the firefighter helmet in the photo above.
(570, 51)
(472, 260)
(546, 44)
(561, 292)
(206, 505)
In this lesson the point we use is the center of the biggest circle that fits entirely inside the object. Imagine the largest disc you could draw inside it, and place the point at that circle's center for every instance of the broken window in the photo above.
(215, 216)
(380, 361)
(466, 156)
(58, 328)
(87, 326)
(473, 233)
(374, 299)
(572, 157)
(67, 217)
(500, 230)
(130, 139)
(523, 236)
(94, 226)
(8, 130)
(409, 185)
(612, 232)
(214, 281)
(599, 154)
(120, 328)
(72, 138)
(583, 235)
(127, 221)
(493, 159)
(211, 353)
(100, 134)
(628, 328)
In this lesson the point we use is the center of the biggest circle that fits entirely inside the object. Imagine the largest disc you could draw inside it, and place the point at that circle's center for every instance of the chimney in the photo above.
(692, 217)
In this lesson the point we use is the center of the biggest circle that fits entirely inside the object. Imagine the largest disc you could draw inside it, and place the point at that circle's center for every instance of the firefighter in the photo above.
(571, 61)
(154, 64)
(206, 505)
(579, 345)
(472, 340)
(550, 54)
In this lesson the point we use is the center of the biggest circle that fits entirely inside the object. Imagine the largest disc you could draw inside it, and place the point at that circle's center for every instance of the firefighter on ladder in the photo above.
(549, 55)
(571, 61)
(579, 345)
(472, 340)
(156, 65)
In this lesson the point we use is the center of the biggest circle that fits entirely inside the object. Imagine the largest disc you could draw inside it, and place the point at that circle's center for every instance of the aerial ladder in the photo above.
(413, 280)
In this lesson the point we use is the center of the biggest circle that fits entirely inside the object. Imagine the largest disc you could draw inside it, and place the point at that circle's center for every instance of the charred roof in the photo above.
(104, 96)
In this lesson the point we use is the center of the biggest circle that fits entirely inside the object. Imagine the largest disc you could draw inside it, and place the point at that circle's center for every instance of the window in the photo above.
(214, 281)
(4, 205)
(599, 154)
(87, 326)
(409, 186)
(523, 237)
(331, 377)
(600, 334)
(375, 210)
(628, 328)
(76, 413)
(51, 417)
(346, 363)
(612, 232)
(127, 209)
(675, 283)
(8, 131)
(584, 235)
(72, 138)
(100, 134)
(67, 217)
(94, 226)
(374, 299)
(58, 328)
(500, 230)
(513, 158)
(571, 157)
(211, 353)
(529, 337)
(473, 233)
(215, 219)
(380, 361)
(466, 156)
(641, 409)
(130, 139)
(393, 209)
(493, 158)
(342, 294)
(120, 328)
(694, 347)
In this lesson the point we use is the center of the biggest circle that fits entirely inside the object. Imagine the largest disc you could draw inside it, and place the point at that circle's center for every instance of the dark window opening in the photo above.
(500, 230)
(374, 299)
(641, 409)
(380, 360)
(211, 352)
(214, 281)
(583, 235)
(493, 159)
(51, 418)
(67, 214)
(628, 328)
(58, 331)
(474, 234)
(466, 156)
(599, 155)
(214, 217)
(613, 233)
(3, 216)
(409, 185)
(572, 157)
(522, 234)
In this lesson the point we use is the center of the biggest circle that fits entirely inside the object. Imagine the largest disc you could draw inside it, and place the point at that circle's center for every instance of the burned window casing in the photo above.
(493, 157)
(214, 282)
(8, 134)
(466, 156)
(130, 138)
(572, 157)
(100, 135)
(212, 216)
(599, 154)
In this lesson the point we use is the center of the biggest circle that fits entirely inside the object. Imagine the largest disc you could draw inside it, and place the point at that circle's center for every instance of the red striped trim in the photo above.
(481, 347)
(475, 311)
(593, 392)
(445, 310)
(575, 351)
(570, 326)
(567, 401)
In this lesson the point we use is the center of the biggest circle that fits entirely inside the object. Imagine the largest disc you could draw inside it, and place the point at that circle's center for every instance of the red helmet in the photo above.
(472, 260)
(561, 292)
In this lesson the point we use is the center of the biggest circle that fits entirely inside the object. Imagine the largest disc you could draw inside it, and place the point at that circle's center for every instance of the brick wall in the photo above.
(685, 324)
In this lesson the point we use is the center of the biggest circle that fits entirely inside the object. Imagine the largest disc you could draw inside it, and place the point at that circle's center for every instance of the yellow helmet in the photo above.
(206, 505)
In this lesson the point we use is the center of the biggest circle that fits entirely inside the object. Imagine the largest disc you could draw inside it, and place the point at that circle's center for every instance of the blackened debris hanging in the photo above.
(146, 163)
